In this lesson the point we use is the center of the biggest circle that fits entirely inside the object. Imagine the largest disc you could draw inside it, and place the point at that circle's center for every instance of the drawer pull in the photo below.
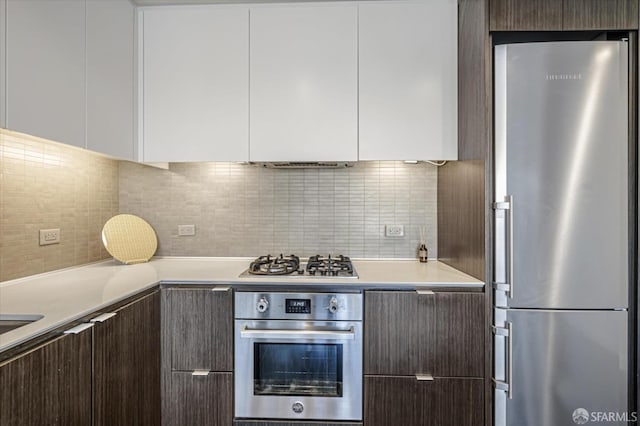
(200, 373)
(424, 377)
(103, 317)
(80, 328)
(221, 288)
(425, 292)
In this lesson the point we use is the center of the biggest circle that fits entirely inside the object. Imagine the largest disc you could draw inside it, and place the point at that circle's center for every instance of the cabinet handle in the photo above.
(425, 292)
(200, 373)
(103, 317)
(221, 288)
(79, 328)
(424, 377)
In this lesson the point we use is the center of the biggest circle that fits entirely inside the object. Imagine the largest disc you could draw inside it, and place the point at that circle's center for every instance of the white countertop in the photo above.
(68, 294)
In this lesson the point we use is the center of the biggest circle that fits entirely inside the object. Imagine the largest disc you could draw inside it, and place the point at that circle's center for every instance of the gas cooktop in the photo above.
(290, 266)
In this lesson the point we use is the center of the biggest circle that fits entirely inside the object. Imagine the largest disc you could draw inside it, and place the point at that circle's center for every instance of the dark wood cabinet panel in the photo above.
(525, 15)
(127, 365)
(200, 329)
(408, 333)
(472, 75)
(460, 334)
(49, 385)
(200, 400)
(393, 325)
(600, 14)
(406, 401)
(568, 15)
(391, 400)
(461, 218)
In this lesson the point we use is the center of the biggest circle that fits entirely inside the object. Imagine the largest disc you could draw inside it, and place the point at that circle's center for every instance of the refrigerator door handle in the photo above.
(507, 385)
(507, 204)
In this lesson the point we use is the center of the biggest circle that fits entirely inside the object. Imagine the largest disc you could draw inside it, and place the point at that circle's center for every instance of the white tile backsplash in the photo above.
(244, 210)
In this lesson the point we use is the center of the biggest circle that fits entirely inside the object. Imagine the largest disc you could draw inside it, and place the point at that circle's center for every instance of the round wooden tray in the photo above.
(129, 239)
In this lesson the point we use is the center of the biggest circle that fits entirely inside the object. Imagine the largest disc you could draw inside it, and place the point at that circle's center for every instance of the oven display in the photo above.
(298, 306)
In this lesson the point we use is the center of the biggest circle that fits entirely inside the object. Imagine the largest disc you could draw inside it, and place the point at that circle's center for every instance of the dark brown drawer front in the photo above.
(200, 400)
(407, 333)
(392, 400)
(200, 329)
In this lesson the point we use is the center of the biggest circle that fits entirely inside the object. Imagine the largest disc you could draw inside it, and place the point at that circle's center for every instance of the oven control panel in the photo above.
(289, 305)
(298, 306)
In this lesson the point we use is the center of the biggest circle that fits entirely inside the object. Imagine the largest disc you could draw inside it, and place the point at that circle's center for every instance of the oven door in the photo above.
(298, 370)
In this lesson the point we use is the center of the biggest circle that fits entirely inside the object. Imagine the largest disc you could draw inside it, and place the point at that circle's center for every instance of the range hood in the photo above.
(305, 164)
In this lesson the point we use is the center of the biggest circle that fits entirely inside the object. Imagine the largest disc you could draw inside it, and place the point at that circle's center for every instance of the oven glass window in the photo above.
(298, 369)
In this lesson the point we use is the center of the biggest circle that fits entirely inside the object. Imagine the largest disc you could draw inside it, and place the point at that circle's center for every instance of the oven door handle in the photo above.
(248, 333)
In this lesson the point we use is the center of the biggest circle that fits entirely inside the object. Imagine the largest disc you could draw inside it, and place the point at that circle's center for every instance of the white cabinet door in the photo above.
(3, 63)
(408, 80)
(110, 77)
(304, 82)
(45, 69)
(195, 83)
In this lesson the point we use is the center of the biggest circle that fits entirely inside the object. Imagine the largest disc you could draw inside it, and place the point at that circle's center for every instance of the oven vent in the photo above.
(306, 165)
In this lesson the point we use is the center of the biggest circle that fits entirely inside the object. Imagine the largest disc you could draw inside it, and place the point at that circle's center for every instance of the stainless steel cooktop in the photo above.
(290, 267)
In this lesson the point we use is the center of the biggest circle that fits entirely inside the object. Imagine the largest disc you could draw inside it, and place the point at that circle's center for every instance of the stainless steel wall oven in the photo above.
(298, 355)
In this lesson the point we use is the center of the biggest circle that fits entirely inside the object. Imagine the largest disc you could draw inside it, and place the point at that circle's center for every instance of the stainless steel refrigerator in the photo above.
(561, 232)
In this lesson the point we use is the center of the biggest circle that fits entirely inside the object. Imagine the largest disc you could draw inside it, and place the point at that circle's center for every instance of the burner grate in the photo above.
(340, 266)
(280, 265)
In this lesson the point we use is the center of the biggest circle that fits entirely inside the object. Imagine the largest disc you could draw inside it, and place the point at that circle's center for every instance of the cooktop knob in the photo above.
(333, 305)
(262, 305)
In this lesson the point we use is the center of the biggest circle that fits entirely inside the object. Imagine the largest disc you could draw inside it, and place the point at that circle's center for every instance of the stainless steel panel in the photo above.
(562, 361)
(349, 306)
(561, 152)
(347, 407)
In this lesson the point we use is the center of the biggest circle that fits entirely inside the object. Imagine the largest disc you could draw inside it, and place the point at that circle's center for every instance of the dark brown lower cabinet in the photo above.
(403, 400)
(200, 400)
(48, 385)
(197, 337)
(127, 365)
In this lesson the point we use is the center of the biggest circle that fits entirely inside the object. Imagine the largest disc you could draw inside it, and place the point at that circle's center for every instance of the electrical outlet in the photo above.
(49, 236)
(186, 230)
(394, 230)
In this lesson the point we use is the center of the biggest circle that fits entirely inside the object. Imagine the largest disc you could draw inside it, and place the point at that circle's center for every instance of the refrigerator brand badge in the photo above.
(580, 416)
(577, 76)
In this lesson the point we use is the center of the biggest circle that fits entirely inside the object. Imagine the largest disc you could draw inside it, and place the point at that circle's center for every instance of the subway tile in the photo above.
(59, 183)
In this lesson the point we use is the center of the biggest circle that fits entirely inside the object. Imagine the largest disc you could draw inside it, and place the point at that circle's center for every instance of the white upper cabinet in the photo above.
(195, 76)
(408, 80)
(69, 72)
(110, 77)
(45, 69)
(304, 74)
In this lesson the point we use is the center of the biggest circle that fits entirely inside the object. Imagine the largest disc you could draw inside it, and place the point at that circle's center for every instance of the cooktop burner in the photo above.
(281, 265)
(317, 266)
(340, 266)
